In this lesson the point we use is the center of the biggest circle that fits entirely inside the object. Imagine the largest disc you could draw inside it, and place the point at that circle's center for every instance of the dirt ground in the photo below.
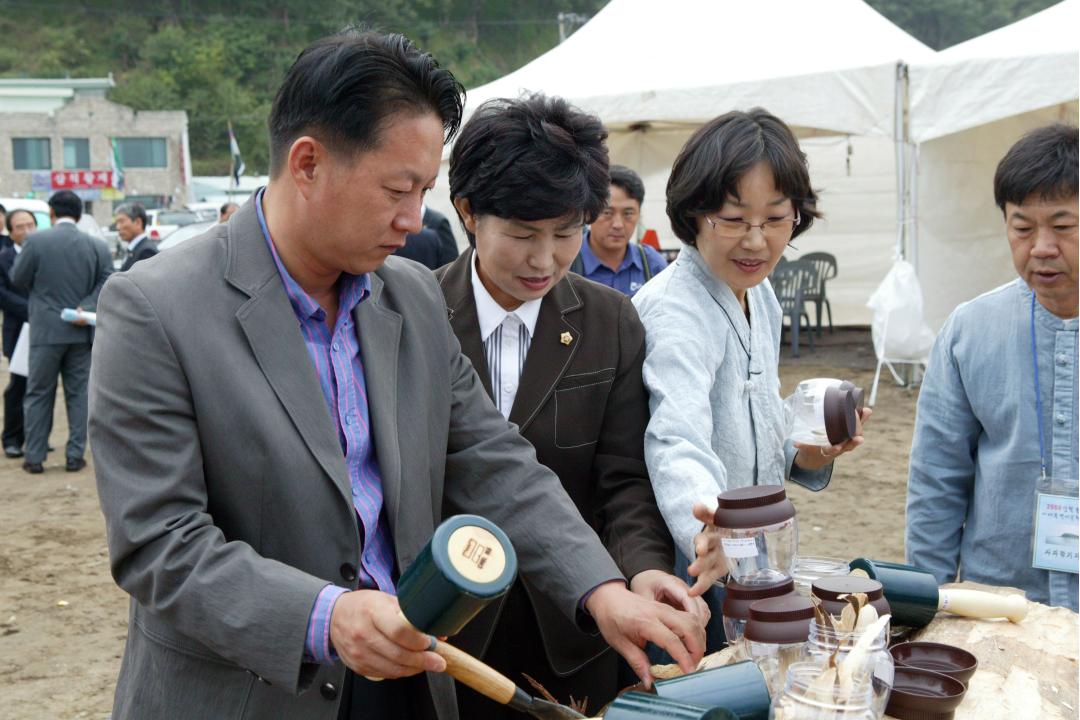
(63, 621)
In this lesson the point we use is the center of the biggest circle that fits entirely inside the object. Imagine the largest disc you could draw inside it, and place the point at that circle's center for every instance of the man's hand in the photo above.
(709, 563)
(628, 621)
(374, 639)
(666, 588)
(80, 321)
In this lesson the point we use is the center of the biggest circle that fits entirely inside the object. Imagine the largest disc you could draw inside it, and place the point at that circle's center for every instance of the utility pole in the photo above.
(568, 22)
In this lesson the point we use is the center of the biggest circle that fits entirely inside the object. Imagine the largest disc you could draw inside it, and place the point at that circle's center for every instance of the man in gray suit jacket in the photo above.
(61, 267)
(280, 415)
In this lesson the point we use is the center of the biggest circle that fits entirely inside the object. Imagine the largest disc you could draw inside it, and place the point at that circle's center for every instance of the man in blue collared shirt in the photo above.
(998, 406)
(607, 255)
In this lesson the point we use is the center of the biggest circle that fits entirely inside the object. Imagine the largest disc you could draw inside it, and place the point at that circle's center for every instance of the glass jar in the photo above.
(832, 590)
(737, 601)
(799, 700)
(809, 568)
(775, 635)
(822, 411)
(878, 670)
(758, 534)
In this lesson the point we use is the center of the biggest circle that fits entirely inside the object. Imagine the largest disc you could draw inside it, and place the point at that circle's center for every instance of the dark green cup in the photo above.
(642, 706)
(740, 688)
(912, 592)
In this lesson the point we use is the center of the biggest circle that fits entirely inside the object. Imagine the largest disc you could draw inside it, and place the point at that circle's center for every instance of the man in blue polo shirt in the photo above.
(607, 255)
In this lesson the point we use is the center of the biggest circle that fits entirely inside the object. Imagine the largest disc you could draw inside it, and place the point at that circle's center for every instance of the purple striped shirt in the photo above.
(337, 361)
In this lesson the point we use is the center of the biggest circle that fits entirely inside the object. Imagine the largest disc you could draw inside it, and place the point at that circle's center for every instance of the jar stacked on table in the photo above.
(758, 534)
(803, 698)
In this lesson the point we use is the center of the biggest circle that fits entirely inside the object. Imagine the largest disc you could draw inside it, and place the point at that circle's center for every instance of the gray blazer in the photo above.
(62, 267)
(234, 508)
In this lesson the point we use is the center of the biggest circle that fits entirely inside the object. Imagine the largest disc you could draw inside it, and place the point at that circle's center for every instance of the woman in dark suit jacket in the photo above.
(561, 357)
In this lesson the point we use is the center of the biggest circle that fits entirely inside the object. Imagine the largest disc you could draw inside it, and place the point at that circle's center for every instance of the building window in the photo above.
(142, 152)
(31, 153)
(76, 154)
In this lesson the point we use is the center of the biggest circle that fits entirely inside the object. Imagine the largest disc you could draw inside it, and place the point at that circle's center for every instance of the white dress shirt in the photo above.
(135, 243)
(506, 335)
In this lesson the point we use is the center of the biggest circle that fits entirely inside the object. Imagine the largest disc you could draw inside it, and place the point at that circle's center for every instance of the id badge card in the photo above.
(1056, 542)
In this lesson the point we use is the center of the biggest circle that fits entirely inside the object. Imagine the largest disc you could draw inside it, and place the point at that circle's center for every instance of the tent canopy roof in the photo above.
(690, 60)
(1044, 33)
(1029, 65)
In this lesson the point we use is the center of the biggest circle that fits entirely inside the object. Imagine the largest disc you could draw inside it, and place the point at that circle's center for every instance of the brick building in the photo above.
(57, 134)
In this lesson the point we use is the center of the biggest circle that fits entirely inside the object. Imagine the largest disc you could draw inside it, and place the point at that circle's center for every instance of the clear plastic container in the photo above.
(776, 635)
(801, 700)
(877, 670)
(822, 411)
(737, 601)
(809, 568)
(774, 659)
(759, 535)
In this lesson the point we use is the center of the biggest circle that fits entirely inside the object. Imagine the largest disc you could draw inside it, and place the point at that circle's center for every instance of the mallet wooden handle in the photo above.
(978, 604)
(481, 677)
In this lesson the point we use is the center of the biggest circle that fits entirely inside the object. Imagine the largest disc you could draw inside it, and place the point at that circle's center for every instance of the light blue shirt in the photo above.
(975, 456)
(717, 420)
(631, 274)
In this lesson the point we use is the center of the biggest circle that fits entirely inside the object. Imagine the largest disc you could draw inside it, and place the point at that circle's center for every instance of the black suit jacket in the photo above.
(145, 249)
(13, 301)
(584, 408)
(434, 246)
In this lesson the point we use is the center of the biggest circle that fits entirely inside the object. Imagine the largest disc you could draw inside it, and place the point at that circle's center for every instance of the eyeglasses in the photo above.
(778, 229)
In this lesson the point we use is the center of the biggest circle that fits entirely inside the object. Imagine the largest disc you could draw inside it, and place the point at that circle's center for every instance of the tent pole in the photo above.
(900, 135)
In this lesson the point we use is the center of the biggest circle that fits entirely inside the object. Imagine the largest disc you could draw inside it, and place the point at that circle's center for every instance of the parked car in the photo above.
(164, 222)
(185, 233)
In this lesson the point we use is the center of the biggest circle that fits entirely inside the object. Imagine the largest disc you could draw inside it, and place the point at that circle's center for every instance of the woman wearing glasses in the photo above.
(739, 191)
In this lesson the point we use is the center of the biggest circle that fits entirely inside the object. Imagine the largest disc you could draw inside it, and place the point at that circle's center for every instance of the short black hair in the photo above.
(11, 223)
(531, 158)
(341, 89)
(134, 211)
(225, 207)
(66, 204)
(3, 210)
(1043, 163)
(708, 169)
(630, 182)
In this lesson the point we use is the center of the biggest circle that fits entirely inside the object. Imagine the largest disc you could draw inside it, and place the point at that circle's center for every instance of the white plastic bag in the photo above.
(899, 331)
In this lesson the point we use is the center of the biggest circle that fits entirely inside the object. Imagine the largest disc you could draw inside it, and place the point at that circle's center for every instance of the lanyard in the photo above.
(1038, 397)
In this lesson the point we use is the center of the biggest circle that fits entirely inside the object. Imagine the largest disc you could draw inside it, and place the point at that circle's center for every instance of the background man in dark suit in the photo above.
(561, 357)
(20, 223)
(60, 268)
(5, 238)
(131, 226)
(305, 419)
(434, 246)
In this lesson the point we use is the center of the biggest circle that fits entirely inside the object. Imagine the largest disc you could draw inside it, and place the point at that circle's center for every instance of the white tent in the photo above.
(968, 105)
(653, 72)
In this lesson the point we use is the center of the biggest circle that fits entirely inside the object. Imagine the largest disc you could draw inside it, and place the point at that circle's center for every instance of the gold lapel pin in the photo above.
(566, 338)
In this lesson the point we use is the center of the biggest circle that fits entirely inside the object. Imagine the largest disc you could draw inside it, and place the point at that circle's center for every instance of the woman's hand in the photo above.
(709, 564)
(815, 457)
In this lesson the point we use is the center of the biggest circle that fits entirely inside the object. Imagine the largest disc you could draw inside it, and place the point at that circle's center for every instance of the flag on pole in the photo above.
(116, 167)
(236, 163)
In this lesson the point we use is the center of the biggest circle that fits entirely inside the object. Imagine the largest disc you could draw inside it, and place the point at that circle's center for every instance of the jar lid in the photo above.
(781, 620)
(739, 597)
(753, 506)
(831, 587)
(839, 408)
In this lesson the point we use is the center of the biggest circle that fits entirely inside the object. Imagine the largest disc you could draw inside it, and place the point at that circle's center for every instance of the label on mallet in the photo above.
(477, 554)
